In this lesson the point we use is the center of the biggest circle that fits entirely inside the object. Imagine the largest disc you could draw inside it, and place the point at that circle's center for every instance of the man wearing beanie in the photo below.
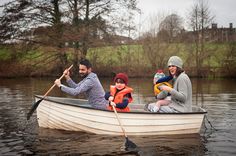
(181, 93)
(120, 94)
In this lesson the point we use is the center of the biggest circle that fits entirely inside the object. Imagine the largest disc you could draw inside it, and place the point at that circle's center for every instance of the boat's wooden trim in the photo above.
(85, 105)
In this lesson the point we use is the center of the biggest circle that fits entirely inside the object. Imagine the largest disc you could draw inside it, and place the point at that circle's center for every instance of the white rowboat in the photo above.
(76, 115)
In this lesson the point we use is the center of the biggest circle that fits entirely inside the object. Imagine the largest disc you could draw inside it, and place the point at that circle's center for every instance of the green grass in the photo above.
(134, 55)
(131, 55)
(123, 55)
(4, 54)
(122, 58)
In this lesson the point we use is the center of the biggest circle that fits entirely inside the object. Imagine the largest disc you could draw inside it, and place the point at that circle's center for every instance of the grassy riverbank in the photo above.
(43, 61)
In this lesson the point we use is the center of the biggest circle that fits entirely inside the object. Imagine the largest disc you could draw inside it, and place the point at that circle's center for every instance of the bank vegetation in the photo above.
(40, 38)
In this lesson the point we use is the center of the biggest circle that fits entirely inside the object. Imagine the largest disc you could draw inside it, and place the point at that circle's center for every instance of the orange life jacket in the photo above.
(118, 97)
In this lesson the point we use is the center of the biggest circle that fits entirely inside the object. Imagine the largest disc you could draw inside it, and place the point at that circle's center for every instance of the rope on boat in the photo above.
(206, 119)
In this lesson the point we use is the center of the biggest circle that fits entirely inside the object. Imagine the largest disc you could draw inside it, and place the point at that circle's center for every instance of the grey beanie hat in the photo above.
(176, 61)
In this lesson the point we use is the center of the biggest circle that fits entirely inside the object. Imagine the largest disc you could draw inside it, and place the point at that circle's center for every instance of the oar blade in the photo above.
(129, 145)
(33, 108)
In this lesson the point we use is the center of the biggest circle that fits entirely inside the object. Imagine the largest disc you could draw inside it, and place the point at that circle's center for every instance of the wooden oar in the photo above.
(129, 145)
(35, 105)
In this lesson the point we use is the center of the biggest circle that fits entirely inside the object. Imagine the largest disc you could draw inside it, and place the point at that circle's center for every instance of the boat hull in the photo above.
(54, 114)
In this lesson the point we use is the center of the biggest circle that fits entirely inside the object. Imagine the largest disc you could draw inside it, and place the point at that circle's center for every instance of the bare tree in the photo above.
(172, 25)
(12, 21)
(96, 19)
(81, 23)
(200, 19)
(38, 18)
(156, 47)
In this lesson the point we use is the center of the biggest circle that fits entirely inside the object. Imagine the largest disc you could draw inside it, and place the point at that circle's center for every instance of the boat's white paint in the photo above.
(53, 113)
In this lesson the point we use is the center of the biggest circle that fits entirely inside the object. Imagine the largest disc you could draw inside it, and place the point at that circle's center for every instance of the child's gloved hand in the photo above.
(112, 104)
(111, 98)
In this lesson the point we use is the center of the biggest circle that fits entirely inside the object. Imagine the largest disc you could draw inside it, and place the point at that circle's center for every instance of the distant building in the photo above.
(213, 34)
(121, 39)
(221, 34)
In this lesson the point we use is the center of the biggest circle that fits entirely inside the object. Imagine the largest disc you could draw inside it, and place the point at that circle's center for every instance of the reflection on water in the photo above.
(21, 137)
(82, 143)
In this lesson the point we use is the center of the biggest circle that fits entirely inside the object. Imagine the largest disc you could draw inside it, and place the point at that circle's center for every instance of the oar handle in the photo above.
(117, 116)
(55, 84)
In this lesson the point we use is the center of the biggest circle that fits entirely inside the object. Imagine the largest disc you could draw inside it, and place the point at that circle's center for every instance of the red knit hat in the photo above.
(122, 76)
(159, 71)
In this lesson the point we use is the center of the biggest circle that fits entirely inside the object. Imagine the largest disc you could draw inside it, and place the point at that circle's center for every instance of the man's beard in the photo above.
(83, 75)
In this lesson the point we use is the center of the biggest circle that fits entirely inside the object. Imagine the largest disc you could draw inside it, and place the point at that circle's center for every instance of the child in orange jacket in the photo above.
(120, 94)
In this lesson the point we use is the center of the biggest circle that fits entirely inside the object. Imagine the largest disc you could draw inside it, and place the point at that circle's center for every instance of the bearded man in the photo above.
(89, 85)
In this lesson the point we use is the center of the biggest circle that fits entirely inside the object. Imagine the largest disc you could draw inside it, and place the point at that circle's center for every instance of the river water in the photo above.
(21, 137)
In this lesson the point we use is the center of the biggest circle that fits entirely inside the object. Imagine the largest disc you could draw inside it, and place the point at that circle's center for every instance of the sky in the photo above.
(223, 10)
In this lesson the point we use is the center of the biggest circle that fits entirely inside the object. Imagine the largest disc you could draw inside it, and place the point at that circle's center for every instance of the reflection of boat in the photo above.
(80, 143)
(76, 115)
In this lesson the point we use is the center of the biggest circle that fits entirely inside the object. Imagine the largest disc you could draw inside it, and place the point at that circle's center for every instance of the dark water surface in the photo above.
(21, 137)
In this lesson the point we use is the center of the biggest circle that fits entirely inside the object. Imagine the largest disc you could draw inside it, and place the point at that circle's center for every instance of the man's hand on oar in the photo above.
(57, 82)
(36, 104)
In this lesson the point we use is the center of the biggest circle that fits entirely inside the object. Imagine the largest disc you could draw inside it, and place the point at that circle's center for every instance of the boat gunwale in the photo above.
(49, 98)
